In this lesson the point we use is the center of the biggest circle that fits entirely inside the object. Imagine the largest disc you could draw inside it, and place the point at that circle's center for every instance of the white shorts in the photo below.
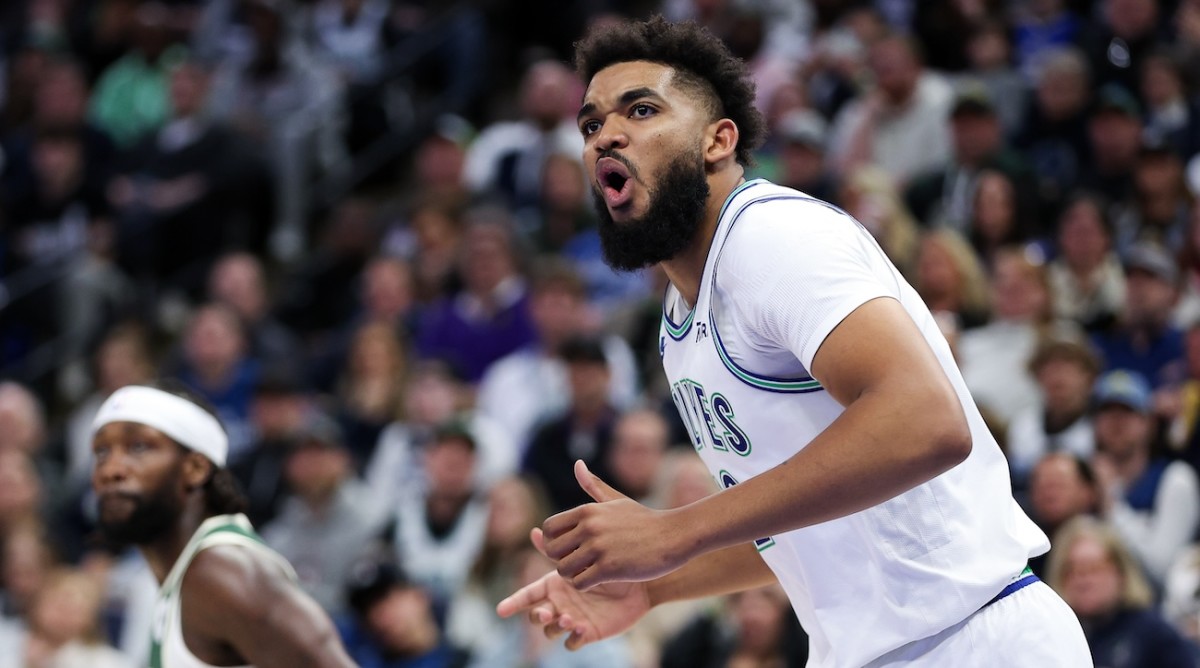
(1030, 628)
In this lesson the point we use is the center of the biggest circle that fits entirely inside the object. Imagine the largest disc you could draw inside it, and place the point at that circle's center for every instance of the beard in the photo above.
(670, 224)
(153, 515)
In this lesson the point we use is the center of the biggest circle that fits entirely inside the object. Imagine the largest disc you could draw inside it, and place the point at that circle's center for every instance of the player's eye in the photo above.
(589, 127)
(642, 111)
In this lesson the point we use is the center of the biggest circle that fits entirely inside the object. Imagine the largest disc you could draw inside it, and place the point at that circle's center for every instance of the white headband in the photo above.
(185, 422)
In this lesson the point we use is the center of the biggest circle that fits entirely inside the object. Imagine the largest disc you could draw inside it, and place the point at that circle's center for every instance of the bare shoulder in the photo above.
(244, 604)
(228, 583)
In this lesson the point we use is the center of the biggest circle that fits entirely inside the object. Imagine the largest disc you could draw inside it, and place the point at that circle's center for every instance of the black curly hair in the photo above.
(222, 493)
(702, 64)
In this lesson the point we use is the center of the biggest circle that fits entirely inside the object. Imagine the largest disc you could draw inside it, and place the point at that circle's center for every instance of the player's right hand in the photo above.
(598, 613)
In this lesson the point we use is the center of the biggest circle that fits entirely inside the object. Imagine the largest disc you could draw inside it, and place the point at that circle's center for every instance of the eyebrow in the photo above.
(626, 97)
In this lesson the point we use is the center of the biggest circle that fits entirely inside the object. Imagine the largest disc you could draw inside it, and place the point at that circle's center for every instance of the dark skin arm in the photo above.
(239, 608)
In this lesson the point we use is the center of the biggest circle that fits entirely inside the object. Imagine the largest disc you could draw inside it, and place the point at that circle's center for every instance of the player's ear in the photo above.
(197, 469)
(721, 141)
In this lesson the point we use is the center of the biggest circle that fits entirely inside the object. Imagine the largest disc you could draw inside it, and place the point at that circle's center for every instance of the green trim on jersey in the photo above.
(679, 332)
(805, 385)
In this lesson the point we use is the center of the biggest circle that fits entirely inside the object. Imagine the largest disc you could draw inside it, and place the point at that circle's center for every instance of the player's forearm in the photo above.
(725, 571)
(885, 443)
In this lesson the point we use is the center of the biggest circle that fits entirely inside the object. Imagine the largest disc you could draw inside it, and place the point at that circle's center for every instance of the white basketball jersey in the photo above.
(783, 270)
(168, 648)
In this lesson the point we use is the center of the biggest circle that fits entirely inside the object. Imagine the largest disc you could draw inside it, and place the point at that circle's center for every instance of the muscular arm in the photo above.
(903, 425)
(724, 571)
(233, 598)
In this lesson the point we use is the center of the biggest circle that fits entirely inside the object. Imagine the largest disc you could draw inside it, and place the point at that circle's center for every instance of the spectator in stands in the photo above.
(64, 626)
(60, 105)
(870, 196)
(947, 194)
(394, 624)
(279, 408)
(1119, 37)
(1115, 138)
(215, 364)
(583, 431)
(1086, 277)
(527, 387)
(437, 530)
(130, 100)
(635, 457)
(1161, 203)
(507, 158)
(26, 559)
(515, 506)
(1060, 421)
(435, 225)
(992, 69)
(802, 135)
(900, 125)
(23, 428)
(489, 318)
(1054, 134)
(1143, 339)
(369, 392)
(1039, 28)
(1172, 117)
(326, 520)
(995, 357)
(762, 631)
(998, 218)
(434, 397)
(385, 299)
(59, 234)
(188, 192)
(238, 281)
(1096, 575)
(950, 278)
(1153, 503)
(1062, 486)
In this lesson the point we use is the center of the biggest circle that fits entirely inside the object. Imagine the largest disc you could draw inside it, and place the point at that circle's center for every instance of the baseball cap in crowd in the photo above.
(455, 429)
(1152, 259)
(1123, 388)
(803, 126)
(972, 101)
(320, 431)
(1116, 98)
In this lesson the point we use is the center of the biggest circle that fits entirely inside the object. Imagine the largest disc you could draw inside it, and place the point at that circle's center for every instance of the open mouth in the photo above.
(614, 181)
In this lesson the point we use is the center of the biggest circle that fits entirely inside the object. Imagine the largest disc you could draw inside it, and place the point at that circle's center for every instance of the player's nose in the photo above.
(611, 136)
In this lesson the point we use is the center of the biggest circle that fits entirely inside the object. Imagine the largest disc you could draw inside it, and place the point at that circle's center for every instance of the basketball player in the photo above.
(856, 469)
(225, 599)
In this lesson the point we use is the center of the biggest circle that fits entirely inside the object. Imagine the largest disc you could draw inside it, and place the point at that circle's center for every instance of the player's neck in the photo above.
(686, 270)
(162, 552)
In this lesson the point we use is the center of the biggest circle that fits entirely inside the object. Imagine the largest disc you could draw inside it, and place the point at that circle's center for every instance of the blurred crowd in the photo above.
(360, 229)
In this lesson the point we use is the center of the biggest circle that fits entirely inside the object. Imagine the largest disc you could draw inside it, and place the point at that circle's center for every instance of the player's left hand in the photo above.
(615, 539)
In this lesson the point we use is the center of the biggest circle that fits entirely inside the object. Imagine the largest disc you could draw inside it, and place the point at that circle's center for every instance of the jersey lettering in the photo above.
(713, 418)
(733, 435)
